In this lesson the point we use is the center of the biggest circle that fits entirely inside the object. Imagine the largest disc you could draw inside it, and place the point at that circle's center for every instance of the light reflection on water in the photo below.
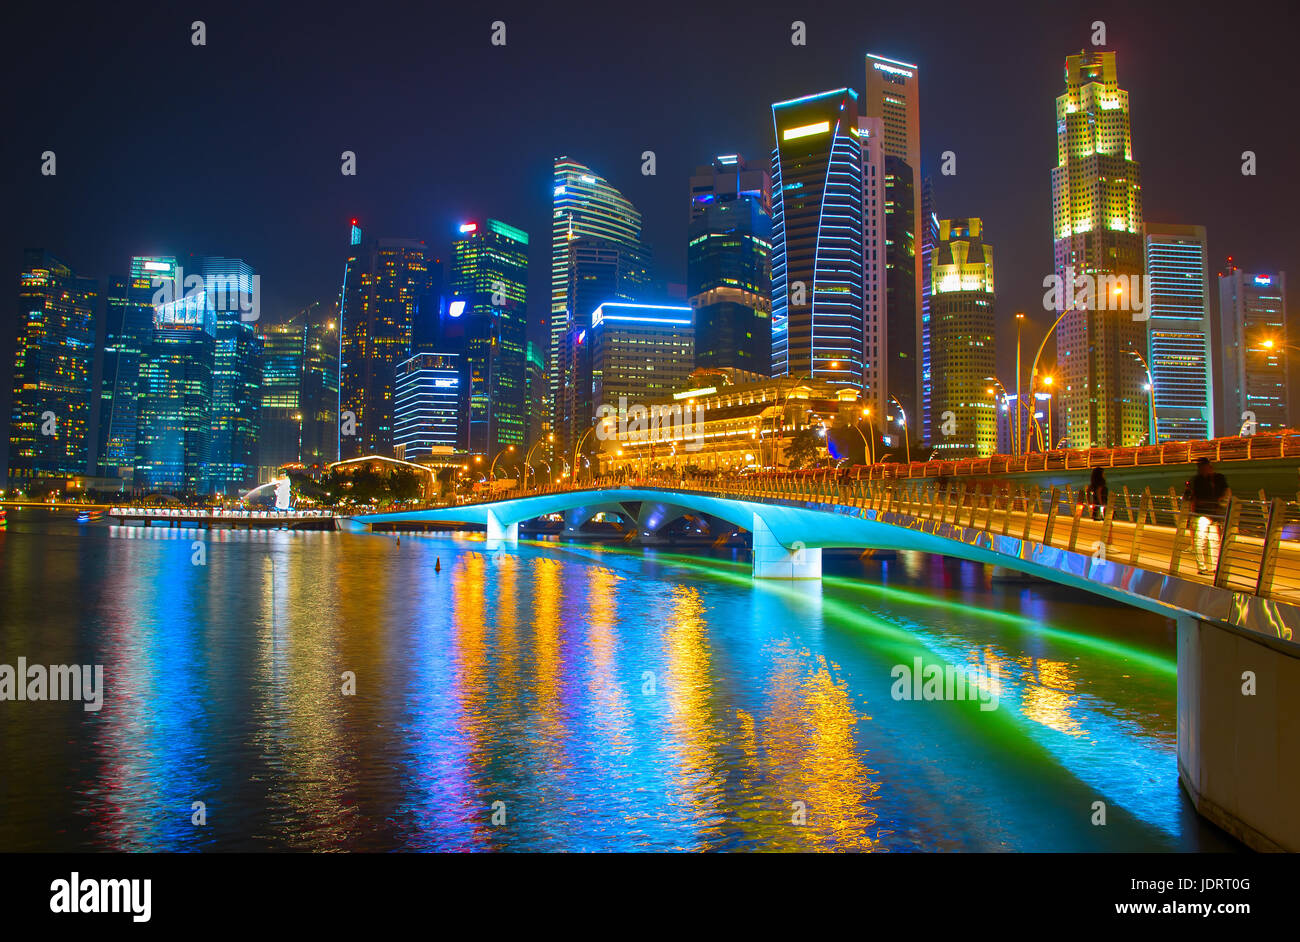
(596, 698)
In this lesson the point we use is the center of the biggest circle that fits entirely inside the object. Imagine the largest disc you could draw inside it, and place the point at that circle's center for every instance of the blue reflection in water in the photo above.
(548, 697)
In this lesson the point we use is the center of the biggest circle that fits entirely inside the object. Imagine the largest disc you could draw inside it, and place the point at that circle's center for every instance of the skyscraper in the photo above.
(319, 398)
(174, 391)
(281, 417)
(640, 352)
(231, 292)
(962, 332)
(828, 255)
(729, 265)
(488, 290)
(1178, 332)
(929, 237)
(1097, 228)
(386, 288)
(902, 310)
(53, 359)
(596, 255)
(536, 393)
(129, 328)
(427, 405)
(1255, 355)
(817, 246)
(893, 94)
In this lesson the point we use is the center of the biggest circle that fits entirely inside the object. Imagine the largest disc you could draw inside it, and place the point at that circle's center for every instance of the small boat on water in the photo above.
(89, 516)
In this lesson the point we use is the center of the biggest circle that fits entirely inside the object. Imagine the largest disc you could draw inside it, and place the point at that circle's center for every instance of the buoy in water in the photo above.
(437, 564)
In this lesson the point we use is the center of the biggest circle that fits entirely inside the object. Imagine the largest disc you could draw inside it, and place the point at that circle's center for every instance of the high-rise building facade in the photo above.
(1178, 332)
(929, 238)
(1254, 352)
(387, 288)
(641, 353)
(828, 252)
(729, 265)
(902, 320)
(536, 393)
(596, 255)
(817, 238)
(319, 397)
(174, 416)
(231, 289)
(128, 329)
(1099, 259)
(427, 405)
(280, 409)
(50, 433)
(488, 290)
(893, 94)
(962, 332)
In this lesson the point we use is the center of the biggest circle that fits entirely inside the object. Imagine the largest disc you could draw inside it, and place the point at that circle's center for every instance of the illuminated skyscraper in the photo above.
(536, 393)
(53, 358)
(1097, 228)
(231, 292)
(174, 391)
(1253, 322)
(319, 398)
(729, 265)
(129, 329)
(893, 94)
(387, 288)
(488, 286)
(640, 352)
(828, 253)
(929, 238)
(596, 255)
(427, 405)
(1178, 332)
(962, 331)
(281, 418)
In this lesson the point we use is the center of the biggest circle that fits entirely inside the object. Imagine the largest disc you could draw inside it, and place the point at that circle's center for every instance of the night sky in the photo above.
(234, 148)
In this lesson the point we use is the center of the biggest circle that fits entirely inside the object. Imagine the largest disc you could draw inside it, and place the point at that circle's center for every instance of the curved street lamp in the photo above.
(903, 417)
(1151, 388)
(777, 430)
(577, 448)
(492, 468)
(550, 437)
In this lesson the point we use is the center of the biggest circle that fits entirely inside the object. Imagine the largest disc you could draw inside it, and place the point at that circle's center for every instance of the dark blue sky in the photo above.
(233, 148)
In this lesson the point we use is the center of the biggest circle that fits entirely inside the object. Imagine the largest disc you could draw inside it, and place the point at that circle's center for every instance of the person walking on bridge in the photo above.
(1098, 494)
(1207, 491)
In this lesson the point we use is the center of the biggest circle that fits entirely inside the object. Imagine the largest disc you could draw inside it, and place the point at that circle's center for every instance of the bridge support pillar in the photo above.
(1238, 748)
(772, 560)
(498, 531)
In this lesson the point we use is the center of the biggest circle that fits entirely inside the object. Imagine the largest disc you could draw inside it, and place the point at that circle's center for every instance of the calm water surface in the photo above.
(611, 700)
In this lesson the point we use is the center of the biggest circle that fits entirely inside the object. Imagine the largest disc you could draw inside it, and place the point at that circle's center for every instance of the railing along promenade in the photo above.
(1254, 547)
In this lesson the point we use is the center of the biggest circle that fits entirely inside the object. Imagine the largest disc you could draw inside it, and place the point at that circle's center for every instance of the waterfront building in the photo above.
(1178, 332)
(488, 291)
(893, 94)
(1255, 351)
(640, 353)
(129, 327)
(231, 291)
(1097, 230)
(387, 289)
(427, 405)
(729, 264)
(50, 415)
(596, 255)
(962, 332)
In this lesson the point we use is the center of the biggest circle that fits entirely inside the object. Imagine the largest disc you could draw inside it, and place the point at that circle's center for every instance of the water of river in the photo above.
(567, 697)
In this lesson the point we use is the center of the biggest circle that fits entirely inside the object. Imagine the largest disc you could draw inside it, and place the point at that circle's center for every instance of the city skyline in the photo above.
(305, 273)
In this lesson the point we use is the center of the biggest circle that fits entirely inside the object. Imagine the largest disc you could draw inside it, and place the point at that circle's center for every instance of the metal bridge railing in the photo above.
(1250, 545)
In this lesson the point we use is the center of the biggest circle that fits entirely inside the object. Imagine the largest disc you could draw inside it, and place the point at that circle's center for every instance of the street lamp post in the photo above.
(550, 437)
(492, 468)
(907, 445)
(868, 447)
(1151, 388)
(1020, 320)
(577, 448)
(778, 429)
